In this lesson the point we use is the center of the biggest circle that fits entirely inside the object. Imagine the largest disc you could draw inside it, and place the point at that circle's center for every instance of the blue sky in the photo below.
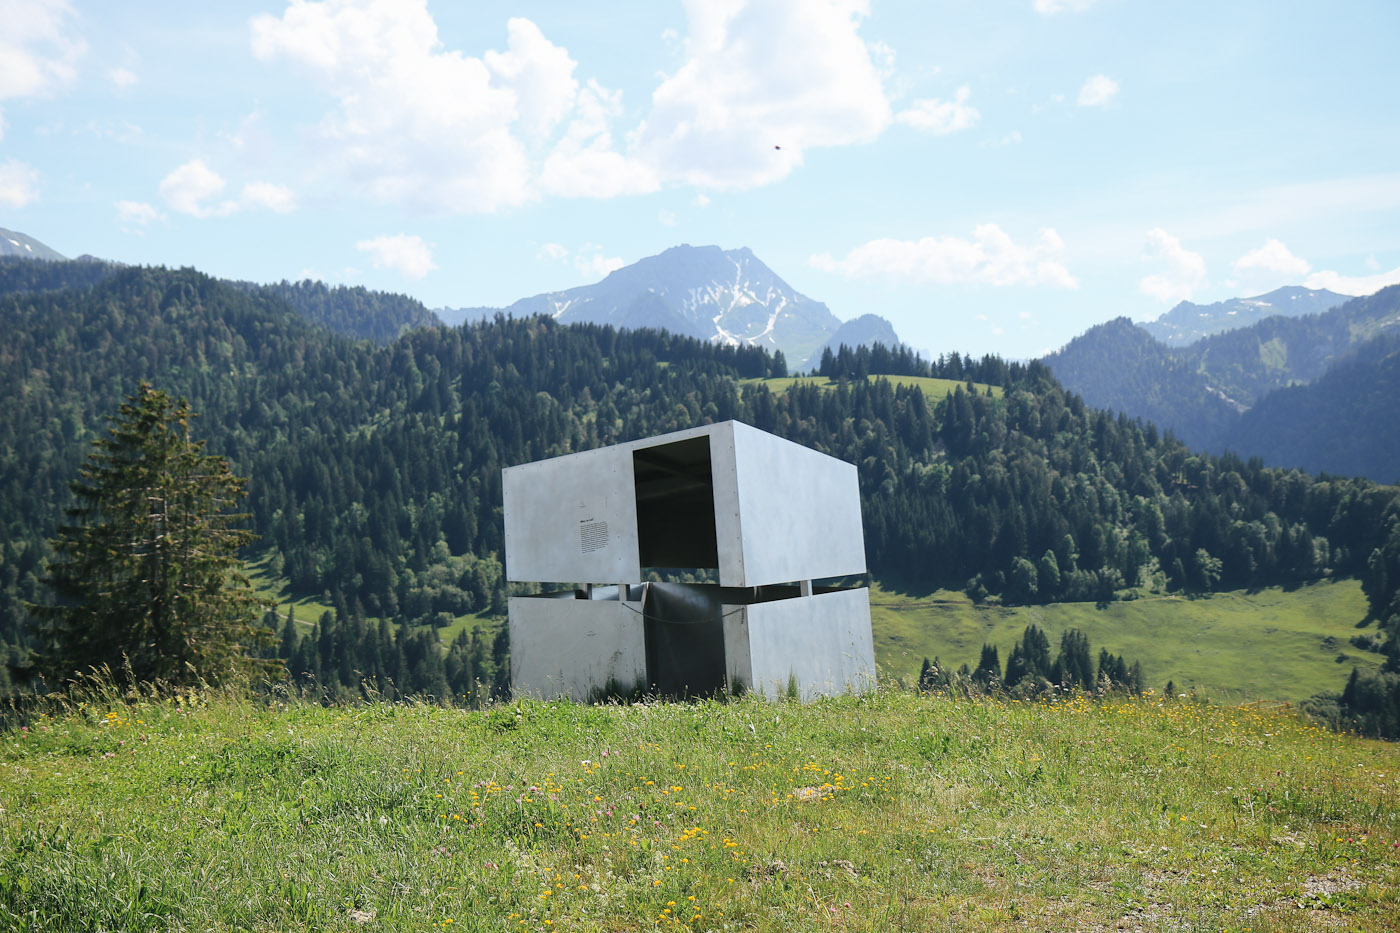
(991, 176)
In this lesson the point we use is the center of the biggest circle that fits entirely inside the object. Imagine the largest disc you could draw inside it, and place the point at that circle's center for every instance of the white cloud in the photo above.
(702, 200)
(1012, 138)
(539, 73)
(37, 52)
(276, 198)
(1352, 284)
(666, 218)
(123, 78)
(1273, 256)
(415, 123)
(408, 255)
(434, 128)
(584, 164)
(592, 263)
(763, 81)
(588, 260)
(991, 257)
(1051, 7)
(1185, 271)
(1270, 266)
(1097, 91)
(135, 213)
(19, 183)
(941, 116)
(191, 188)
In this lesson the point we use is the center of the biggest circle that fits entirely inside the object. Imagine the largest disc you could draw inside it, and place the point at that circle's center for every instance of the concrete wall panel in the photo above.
(824, 641)
(570, 647)
(801, 512)
(572, 519)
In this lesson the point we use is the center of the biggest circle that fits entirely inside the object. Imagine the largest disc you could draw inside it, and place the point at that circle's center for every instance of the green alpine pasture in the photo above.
(933, 388)
(896, 811)
(1273, 644)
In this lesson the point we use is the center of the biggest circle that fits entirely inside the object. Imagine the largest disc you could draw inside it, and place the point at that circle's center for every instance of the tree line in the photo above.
(1030, 672)
(374, 468)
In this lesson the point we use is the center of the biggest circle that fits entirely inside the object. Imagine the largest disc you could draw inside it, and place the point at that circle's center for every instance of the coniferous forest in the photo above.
(373, 464)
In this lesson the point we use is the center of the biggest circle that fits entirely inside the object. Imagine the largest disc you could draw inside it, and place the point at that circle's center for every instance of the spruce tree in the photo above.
(148, 578)
(988, 673)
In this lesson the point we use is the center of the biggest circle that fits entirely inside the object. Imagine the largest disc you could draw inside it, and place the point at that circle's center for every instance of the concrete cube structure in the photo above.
(766, 515)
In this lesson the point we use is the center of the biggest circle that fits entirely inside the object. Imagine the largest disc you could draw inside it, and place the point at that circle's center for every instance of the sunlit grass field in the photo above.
(933, 389)
(890, 812)
(1274, 644)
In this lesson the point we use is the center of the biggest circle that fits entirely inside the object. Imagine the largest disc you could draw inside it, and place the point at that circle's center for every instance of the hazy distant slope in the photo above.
(864, 331)
(1347, 422)
(1120, 366)
(1248, 363)
(14, 243)
(1187, 322)
(1198, 391)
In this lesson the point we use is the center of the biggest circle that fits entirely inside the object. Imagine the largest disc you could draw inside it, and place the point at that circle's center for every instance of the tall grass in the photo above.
(206, 811)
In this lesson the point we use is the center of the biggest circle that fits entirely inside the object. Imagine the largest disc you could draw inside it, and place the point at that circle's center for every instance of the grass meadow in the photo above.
(934, 389)
(1271, 645)
(894, 811)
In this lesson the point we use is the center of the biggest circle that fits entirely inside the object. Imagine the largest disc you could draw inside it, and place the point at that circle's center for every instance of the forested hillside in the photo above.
(1201, 391)
(1119, 365)
(374, 470)
(1342, 423)
(22, 274)
(352, 311)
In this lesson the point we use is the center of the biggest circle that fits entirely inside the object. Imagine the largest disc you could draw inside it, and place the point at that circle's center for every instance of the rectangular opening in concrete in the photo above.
(675, 491)
(684, 631)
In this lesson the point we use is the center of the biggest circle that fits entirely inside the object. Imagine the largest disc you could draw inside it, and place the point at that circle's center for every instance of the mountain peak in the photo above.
(14, 243)
(1187, 322)
(726, 296)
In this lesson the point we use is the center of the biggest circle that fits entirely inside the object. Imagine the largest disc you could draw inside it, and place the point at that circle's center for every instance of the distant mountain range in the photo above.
(1297, 388)
(1320, 391)
(725, 296)
(1186, 323)
(13, 243)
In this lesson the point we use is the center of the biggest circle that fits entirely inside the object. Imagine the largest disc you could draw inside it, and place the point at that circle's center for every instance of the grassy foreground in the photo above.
(893, 811)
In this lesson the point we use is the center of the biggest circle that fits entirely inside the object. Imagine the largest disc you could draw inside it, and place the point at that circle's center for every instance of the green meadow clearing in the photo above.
(933, 389)
(895, 811)
(1271, 645)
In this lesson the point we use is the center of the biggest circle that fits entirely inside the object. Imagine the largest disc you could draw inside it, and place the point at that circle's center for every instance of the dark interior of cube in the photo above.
(676, 529)
(676, 505)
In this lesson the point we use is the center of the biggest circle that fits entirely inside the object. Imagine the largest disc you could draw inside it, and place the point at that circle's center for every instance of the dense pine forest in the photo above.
(374, 465)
